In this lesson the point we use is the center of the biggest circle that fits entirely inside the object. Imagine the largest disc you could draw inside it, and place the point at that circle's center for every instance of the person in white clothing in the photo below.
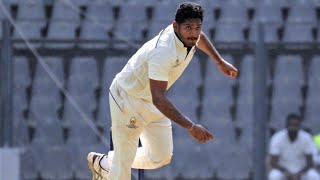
(139, 105)
(291, 153)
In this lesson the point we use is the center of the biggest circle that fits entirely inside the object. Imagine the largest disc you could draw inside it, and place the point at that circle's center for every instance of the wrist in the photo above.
(191, 127)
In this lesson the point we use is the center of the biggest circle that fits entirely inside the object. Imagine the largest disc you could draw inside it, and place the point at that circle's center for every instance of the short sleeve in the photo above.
(274, 148)
(309, 144)
(160, 63)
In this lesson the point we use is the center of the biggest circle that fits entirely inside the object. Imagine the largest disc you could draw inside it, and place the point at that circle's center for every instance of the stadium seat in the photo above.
(82, 133)
(233, 29)
(159, 16)
(104, 116)
(112, 66)
(220, 123)
(100, 14)
(61, 30)
(31, 10)
(20, 130)
(127, 10)
(92, 31)
(231, 168)
(233, 11)
(311, 117)
(127, 33)
(54, 65)
(289, 69)
(65, 11)
(270, 32)
(187, 149)
(302, 11)
(60, 165)
(279, 112)
(48, 132)
(298, 33)
(313, 76)
(218, 86)
(20, 103)
(84, 65)
(155, 28)
(29, 168)
(21, 74)
(268, 12)
(31, 30)
(42, 107)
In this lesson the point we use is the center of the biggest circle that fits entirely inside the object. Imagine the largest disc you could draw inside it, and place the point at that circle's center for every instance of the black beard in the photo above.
(292, 135)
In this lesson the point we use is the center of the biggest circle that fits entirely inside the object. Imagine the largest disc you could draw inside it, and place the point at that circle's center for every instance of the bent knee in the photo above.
(162, 159)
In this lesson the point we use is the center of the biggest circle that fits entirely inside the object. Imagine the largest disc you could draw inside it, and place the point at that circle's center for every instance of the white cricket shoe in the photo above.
(98, 172)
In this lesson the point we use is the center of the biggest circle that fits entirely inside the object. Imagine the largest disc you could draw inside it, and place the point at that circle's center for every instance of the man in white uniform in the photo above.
(291, 153)
(139, 104)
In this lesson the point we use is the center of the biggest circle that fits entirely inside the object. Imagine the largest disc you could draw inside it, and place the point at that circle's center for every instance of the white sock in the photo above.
(104, 163)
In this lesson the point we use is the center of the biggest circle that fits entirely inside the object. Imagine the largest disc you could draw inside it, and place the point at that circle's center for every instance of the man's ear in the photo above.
(175, 26)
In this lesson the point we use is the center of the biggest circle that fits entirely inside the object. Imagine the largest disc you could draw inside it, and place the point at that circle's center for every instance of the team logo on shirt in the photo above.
(177, 63)
(132, 124)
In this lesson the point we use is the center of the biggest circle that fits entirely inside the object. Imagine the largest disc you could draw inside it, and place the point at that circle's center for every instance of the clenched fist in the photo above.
(200, 133)
(227, 69)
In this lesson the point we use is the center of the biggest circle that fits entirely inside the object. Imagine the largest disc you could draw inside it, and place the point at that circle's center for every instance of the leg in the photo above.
(157, 146)
(275, 174)
(311, 175)
(126, 129)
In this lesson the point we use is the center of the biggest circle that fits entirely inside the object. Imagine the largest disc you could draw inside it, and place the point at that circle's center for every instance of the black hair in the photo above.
(292, 116)
(188, 10)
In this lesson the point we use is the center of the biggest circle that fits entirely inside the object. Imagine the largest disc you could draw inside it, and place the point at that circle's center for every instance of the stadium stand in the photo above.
(85, 43)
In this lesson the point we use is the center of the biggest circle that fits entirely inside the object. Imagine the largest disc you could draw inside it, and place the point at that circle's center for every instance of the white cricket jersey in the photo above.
(163, 58)
(291, 154)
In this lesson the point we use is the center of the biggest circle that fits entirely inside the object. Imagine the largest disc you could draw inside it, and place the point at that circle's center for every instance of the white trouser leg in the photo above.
(126, 129)
(311, 175)
(157, 146)
(275, 174)
(156, 138)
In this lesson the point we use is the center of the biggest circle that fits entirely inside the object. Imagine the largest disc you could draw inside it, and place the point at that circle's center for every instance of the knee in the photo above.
(161, 159)
(312, 175)
(275, 175)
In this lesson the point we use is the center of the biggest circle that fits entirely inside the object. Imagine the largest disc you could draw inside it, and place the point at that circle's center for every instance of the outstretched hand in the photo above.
(227, 69)
(200, 133)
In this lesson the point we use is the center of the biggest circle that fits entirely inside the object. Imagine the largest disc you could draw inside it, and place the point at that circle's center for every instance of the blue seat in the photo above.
(100, 13)
(20, 130)
(54, 64)
(60, 166)
(233, 11)
(280, 110)
(302, 12)
(48, 132)
(236, 164)
(298, 32)
(92, 31)
(29, 168)
(21, 74)
(31, 10)
(31, 30)
(233, 29)
(82, 133)
(65, 11)
(112, 66)
(61, 30)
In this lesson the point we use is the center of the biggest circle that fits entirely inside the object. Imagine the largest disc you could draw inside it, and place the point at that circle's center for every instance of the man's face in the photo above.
(188, 31)
(293, 128)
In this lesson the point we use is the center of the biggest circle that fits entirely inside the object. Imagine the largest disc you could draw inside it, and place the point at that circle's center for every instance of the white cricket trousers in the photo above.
(133, 118)
(311, 174)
